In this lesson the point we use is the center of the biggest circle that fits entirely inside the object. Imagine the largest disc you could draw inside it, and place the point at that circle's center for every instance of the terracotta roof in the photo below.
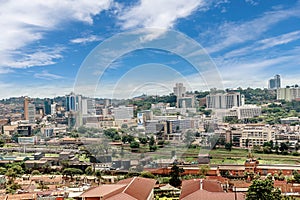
(194, 185)
(27, 196)
(131, 189)
(211, 189)
(190, 186)
(122, 196)
(103, 190)
(203, 194)
(125, 181)
(140, 188)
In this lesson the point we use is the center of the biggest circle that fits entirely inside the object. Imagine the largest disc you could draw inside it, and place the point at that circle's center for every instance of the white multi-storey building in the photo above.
(256, 134)
(288, 94)
(123, 112)
(224, 100)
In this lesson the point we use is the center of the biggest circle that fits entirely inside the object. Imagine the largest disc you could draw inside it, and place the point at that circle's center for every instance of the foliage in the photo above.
(134, 144)
(127, 138)
(146, 174)
(71, 172)
(35, 172)
(263, 190)
(143, 140)
(296, 176)
(204, 169)
(175, 175)
(89, 170)
(228, 146)
(111, 133)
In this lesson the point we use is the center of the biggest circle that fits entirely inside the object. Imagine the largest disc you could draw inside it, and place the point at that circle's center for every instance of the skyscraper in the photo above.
(179, 90)
(73, 102)
(26, 101)
(275, 83)
(29, 110)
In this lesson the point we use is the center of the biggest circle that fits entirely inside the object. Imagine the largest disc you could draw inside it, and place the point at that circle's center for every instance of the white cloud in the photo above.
(36, 90)
(230, 33)
(47, 76)
(41, 57)
(264, 44)
(24, 22)
(157, 13)
(279, 40)
(83, 40)
(252, 2)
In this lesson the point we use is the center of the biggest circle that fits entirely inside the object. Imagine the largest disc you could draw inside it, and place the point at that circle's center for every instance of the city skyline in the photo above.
(249, 41)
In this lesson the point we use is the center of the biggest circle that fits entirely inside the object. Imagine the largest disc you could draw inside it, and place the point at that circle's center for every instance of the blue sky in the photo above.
(44, 43)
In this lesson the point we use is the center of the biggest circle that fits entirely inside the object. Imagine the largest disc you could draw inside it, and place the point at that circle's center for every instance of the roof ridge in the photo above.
(129, 184)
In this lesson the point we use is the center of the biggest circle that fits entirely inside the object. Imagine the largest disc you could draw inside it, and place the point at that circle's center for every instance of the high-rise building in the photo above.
(31, 112)
(288, 93)
(179, 90)
(26, 101)
(224, 100)
(47, 106)
(275, 83)
(74, 105)
(73, 102)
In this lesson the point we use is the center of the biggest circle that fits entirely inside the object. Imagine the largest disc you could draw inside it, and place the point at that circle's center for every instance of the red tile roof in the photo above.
(128, 189)
(103, 190)
(140, 188)
(211, 189)
(203, 194)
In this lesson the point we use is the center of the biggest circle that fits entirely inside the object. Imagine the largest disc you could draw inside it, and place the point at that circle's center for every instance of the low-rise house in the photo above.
(205, 189)
(129, 189)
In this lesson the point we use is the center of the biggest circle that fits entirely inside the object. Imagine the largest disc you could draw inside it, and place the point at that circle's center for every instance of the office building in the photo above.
(186, 102)
(256, 134)
(275, 83)
(31, 113)
(53, 109)
(179, 90)
(47, 106)
(123, 112)
(288, 93)
(248, 111)
(26, 102)
(73, 102)
(224, 100)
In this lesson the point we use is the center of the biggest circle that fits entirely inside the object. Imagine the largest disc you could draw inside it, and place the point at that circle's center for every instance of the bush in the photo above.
(295, 153)
(35, 172)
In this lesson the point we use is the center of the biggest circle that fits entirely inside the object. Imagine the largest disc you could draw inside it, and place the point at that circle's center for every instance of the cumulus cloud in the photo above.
(83, 40)
(157, 13)
(24, 22)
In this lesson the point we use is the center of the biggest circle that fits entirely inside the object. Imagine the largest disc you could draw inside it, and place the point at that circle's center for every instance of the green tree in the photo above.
(11, 174)
(35, 172)
(228, 146)
(263, 190)
(71, 172)
(204, 169)
(151, 141)
(146, 174)
(143, 140)
(134, 145)
(89, 170)
(296, 176)
(175, 175)
(283, 147)
(98, 174)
